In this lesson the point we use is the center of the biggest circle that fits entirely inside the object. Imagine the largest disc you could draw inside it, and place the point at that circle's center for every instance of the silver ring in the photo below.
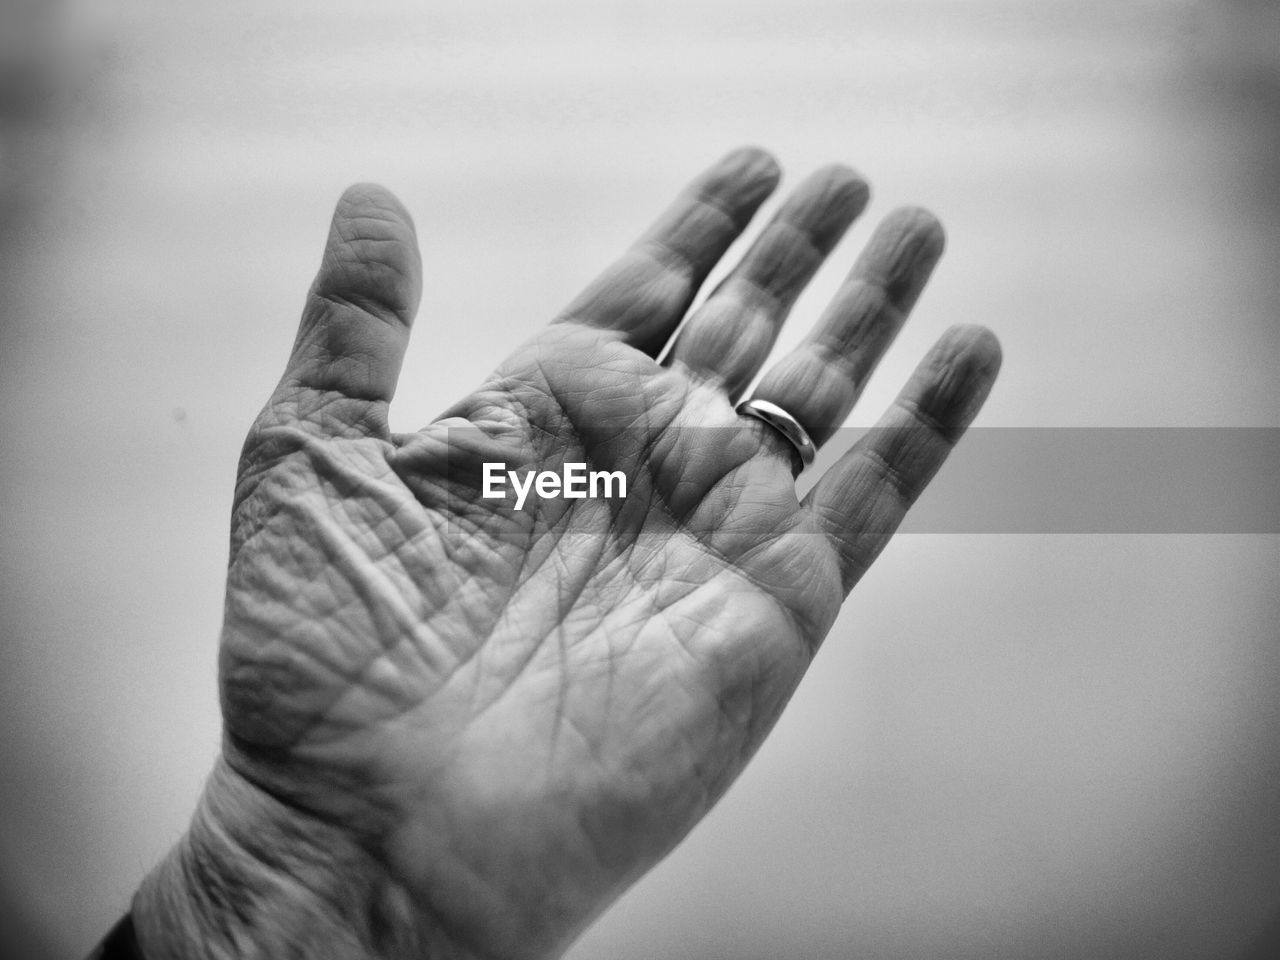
(785, 424)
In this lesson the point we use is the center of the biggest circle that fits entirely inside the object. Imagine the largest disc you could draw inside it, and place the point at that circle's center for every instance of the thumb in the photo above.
(355, 325)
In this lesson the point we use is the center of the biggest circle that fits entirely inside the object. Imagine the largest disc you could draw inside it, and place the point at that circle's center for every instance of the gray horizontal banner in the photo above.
(1165, 480)
(1103, 480)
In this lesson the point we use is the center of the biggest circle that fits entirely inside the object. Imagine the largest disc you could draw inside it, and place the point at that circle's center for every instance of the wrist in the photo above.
(254, 878)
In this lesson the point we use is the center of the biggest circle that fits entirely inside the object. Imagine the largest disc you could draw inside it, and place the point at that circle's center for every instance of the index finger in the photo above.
(645, 293)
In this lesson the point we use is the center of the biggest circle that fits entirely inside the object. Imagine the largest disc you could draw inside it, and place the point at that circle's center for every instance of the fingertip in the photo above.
(368, 198)
(902, 254)
(973, 345)
(826, 203)
(956, 377)
(843, 188)
(753, 161)
(988, 344)
(747, 175)
(928, 236)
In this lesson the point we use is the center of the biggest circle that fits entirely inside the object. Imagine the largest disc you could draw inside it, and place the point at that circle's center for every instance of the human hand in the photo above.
(454, 728)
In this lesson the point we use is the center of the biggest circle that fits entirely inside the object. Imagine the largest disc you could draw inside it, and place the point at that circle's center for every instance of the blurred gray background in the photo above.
(1011, 746)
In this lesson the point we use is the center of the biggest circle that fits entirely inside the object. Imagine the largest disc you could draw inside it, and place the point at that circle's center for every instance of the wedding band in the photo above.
(784, 423)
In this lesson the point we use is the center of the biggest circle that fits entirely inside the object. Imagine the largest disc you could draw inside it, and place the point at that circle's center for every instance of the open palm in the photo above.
(509, 714)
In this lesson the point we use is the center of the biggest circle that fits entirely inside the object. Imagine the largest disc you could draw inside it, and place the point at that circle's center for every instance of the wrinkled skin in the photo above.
(512, 714)
(570, 686)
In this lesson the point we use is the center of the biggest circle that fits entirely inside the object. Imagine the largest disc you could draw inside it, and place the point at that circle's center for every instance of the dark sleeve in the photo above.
(119, 944)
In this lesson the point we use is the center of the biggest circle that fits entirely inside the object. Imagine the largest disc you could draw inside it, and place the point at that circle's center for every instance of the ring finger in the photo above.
(821, 379)
(729, 337)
